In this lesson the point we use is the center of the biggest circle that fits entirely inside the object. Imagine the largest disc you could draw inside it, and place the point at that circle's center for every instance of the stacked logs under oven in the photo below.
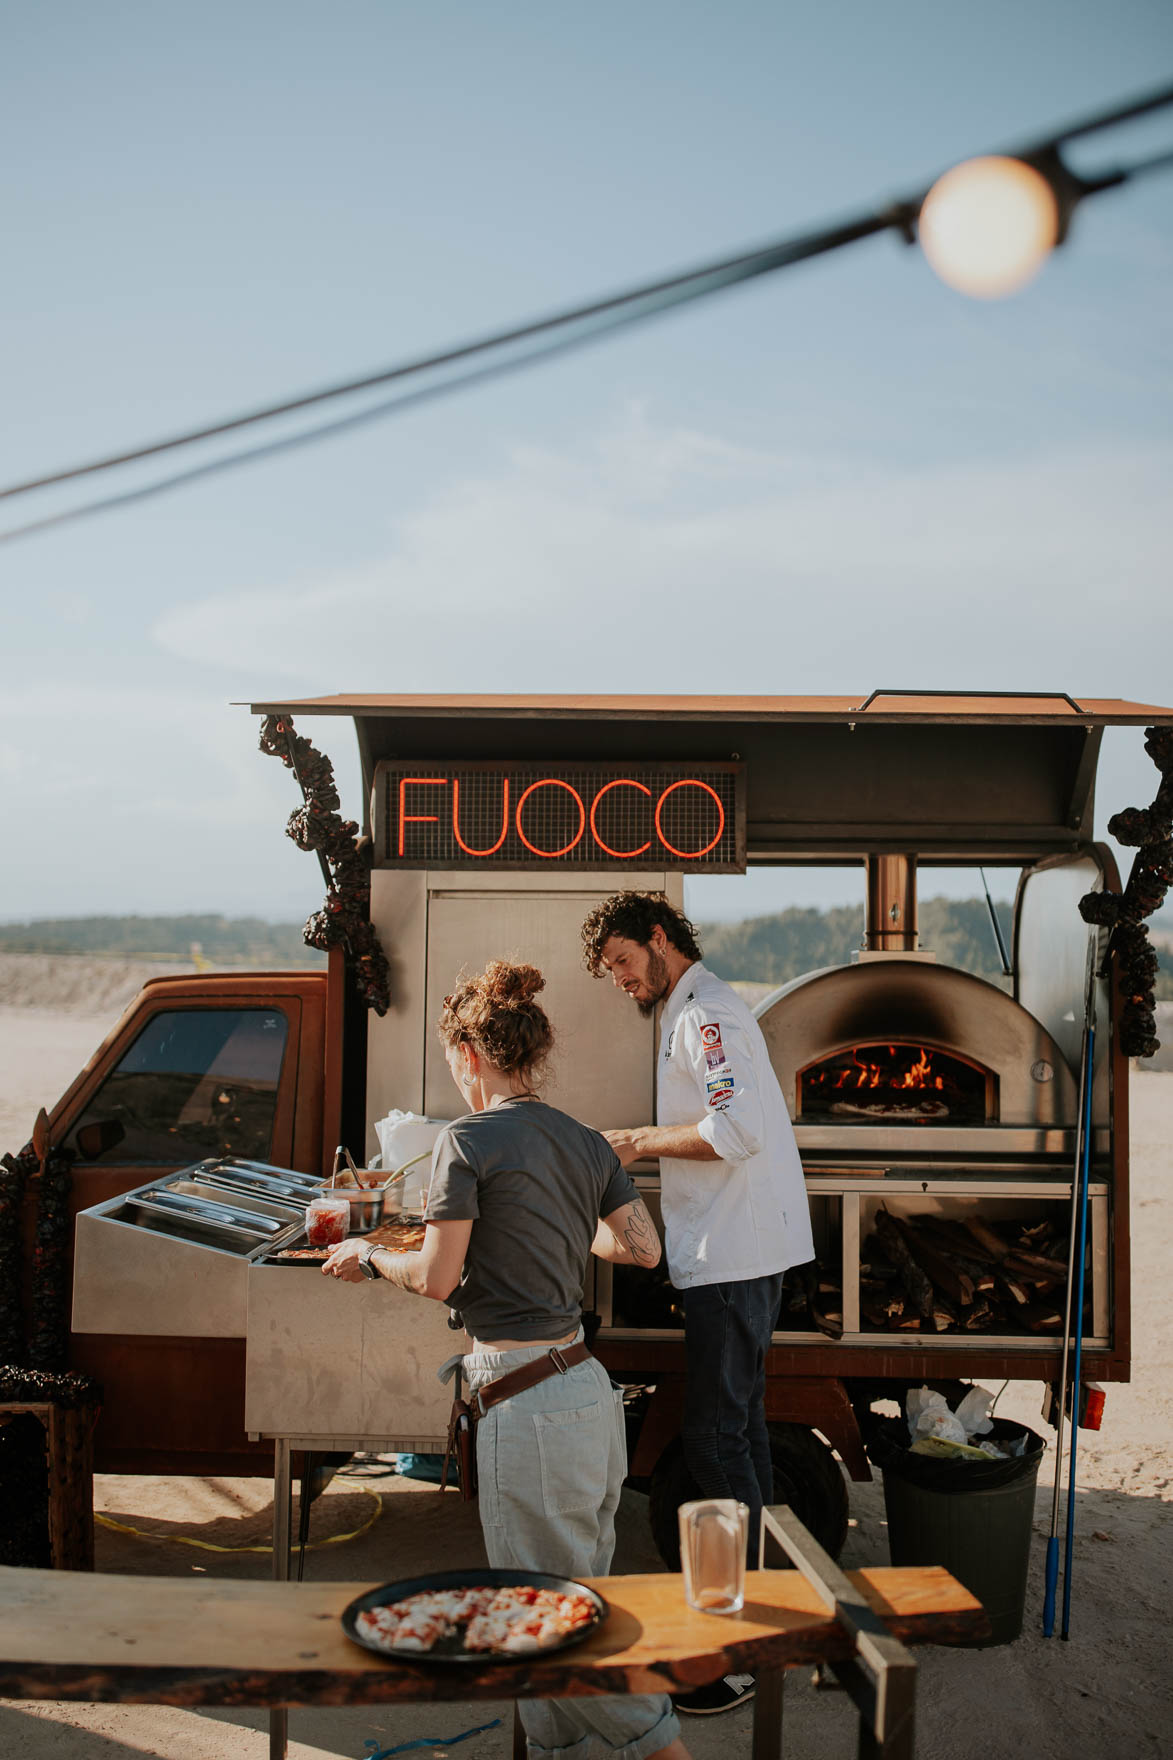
(930, 1274)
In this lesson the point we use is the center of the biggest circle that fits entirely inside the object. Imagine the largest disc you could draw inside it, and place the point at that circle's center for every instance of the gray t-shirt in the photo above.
(535, 1183)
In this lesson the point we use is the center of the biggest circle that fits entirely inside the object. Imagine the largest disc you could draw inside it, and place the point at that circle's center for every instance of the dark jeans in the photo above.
(727, 1329)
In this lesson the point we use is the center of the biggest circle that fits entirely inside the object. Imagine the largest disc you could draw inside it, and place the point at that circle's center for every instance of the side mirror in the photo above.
(97, 1139)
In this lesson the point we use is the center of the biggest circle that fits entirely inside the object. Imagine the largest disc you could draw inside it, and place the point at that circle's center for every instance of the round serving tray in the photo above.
(452, 1649)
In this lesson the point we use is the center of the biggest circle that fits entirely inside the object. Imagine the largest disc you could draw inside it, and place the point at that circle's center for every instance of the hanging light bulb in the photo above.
(988, 225)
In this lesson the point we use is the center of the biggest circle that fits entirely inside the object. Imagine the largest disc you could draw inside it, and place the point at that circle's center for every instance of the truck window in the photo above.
(195, 1082)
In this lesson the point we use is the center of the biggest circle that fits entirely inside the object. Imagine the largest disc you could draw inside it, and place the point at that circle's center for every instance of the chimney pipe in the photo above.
(891, 904)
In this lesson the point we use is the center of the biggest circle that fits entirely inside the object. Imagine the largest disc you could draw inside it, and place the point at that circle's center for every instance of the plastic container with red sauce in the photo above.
(327, 1219)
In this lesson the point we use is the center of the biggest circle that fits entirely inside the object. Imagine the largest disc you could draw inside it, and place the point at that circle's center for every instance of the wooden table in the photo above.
(177, 1641)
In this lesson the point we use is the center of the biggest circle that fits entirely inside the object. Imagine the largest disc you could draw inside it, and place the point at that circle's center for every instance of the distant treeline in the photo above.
(223, 941)
(774, 949)
(767, 950)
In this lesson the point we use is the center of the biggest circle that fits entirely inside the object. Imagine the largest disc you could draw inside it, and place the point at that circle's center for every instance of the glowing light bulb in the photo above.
(988, 225)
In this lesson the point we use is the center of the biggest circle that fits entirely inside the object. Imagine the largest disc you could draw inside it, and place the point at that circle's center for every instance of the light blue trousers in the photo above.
(551, 1464)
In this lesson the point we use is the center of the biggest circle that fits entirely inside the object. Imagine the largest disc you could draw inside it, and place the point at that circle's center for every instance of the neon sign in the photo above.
(531, 815)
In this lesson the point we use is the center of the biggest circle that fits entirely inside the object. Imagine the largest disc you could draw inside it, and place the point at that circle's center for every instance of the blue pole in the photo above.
(1052, 1585)
(1080, 1255)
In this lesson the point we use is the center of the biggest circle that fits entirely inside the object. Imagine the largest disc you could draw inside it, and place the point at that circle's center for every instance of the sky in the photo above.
(845, 476)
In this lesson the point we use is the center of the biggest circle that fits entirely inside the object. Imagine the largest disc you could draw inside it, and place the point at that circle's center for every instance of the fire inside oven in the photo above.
(896, 1083)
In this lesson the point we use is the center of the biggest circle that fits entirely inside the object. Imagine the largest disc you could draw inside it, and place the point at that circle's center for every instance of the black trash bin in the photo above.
(974, 1517)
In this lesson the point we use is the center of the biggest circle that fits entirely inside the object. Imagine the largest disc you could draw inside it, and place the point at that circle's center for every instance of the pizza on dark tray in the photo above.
(474, 1615)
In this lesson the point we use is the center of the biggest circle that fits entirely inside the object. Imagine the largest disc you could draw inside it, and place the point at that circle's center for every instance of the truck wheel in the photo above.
(806, 1476)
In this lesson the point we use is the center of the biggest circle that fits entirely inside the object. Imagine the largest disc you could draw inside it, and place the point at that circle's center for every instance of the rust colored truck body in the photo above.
(281, 1067)
(177, 1404)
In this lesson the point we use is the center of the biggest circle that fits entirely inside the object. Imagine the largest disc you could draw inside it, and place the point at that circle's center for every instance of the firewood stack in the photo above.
(812, 1296)
(928, 1274)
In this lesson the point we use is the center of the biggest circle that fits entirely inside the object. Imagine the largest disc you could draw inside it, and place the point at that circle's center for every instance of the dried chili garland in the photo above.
(47, 1344)
(14, 1175)
(49, 1329)
(344, 920)
(1148, 830)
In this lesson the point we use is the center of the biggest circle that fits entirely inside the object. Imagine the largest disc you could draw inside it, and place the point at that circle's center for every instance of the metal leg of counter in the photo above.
(282, 1529)
(282, 1507)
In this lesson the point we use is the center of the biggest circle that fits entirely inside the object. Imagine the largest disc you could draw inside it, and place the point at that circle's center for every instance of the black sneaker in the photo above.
(726, 1694)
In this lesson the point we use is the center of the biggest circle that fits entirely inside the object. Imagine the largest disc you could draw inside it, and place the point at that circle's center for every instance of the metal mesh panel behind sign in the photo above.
(588, 816)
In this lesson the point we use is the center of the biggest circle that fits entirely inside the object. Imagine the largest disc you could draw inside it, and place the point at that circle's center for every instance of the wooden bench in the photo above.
(178, 1641)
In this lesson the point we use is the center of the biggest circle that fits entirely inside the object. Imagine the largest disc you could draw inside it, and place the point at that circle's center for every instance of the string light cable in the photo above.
(459, 367)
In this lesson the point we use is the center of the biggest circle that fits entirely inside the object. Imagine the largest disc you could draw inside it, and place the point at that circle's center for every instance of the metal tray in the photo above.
(205, 1211)
(261, 1172)
(451, 1650)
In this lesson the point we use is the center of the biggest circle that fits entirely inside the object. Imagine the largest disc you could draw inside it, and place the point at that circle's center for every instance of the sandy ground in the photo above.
(1108, 1691)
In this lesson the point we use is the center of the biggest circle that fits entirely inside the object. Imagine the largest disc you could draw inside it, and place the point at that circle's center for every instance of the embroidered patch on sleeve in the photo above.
(710, 1034)
(715, 1058)
(720, 1082)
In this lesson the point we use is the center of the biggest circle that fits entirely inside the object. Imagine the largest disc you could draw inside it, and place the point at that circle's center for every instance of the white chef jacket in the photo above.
(745, 1215)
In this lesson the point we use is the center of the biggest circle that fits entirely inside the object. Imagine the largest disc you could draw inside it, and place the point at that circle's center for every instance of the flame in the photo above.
(874, 1072)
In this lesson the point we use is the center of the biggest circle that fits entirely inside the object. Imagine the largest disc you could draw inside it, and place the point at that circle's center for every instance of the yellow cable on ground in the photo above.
(209, 1546)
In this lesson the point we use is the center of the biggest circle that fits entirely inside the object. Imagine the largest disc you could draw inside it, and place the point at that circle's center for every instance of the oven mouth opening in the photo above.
(895, 1082)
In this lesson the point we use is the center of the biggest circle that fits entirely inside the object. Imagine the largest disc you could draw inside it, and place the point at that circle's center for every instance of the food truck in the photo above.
(935, 1112)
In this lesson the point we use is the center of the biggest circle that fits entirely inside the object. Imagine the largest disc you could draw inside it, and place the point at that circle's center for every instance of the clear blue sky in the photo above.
(843, 477)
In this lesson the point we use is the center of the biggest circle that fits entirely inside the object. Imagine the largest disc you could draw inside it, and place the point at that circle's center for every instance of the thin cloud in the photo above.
(647, 561)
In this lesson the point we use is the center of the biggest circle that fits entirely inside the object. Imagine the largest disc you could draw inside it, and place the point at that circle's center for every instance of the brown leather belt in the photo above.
(555, 1362)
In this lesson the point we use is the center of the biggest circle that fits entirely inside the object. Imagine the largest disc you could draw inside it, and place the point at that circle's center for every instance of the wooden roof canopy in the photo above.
(950, 776)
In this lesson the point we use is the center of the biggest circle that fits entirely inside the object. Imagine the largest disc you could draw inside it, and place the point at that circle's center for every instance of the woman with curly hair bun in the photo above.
(521, 1195)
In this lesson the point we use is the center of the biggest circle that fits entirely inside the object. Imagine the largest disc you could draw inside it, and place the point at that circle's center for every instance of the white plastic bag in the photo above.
(940, 1423)
(402, 1136)
(974, 1412)
(920, 1399)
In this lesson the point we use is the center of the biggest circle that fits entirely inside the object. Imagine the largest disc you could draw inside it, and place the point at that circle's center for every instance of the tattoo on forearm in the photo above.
(397, 1268)
(640, 1236)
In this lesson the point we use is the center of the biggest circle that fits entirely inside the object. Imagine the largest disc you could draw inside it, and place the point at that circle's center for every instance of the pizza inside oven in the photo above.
(504, 1621)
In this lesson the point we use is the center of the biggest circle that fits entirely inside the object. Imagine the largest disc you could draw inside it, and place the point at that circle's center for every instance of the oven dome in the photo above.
(819, 1020)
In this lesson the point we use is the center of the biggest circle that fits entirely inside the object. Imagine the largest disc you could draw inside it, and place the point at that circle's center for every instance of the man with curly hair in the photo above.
(732, 1191)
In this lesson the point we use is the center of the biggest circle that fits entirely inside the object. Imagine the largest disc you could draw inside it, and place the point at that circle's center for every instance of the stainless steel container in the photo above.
(366, 1206)
(171, 1258)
